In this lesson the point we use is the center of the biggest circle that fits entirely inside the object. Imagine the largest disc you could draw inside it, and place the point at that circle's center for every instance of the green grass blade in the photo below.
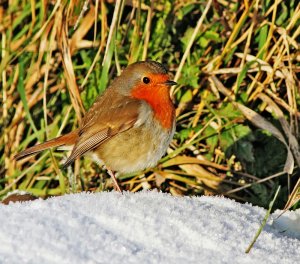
(264, 221)
(21, 90)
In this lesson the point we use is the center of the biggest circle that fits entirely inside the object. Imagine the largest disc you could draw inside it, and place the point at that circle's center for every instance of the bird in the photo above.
(128, 128)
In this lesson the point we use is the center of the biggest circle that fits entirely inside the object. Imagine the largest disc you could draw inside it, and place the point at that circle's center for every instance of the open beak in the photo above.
(171, 83)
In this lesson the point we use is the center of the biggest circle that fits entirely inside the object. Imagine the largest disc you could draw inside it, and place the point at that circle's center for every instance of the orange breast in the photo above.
(157, 96)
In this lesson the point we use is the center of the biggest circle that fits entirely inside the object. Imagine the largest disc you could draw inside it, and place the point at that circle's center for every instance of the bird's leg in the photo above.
(116, 185)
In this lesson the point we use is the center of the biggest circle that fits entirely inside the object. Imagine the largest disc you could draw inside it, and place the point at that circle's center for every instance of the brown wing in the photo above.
(109, 115)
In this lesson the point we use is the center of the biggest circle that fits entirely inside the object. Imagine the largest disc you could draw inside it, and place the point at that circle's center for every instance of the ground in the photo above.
(145, 227)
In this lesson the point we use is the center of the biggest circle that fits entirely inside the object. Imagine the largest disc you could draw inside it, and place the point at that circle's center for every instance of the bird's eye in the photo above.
(146, 80)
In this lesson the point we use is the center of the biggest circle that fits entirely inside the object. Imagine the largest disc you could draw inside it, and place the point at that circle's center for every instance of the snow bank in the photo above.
(146, 227)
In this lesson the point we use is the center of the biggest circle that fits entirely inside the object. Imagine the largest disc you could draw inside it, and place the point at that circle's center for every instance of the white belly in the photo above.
(134, 149)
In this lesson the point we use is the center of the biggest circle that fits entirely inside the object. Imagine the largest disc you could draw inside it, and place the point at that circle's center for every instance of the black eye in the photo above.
(146, 80)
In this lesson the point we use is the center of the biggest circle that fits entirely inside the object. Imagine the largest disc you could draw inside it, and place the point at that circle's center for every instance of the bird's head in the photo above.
(145, 77)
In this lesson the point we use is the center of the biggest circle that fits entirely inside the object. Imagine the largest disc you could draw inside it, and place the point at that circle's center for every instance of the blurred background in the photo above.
(237, 64)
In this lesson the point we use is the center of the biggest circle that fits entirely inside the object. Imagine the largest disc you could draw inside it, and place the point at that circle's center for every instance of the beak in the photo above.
(171, 83)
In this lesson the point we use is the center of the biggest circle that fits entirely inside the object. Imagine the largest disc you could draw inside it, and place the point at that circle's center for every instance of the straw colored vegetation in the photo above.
(237, 64)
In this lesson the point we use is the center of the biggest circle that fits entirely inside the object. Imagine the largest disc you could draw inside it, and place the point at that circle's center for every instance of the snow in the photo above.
(145, 227)
(288, 223)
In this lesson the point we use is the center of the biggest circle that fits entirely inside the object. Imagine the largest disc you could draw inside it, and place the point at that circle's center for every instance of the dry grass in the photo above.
(237, 103)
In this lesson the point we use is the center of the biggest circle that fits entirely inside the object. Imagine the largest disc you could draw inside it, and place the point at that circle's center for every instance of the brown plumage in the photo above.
(129, 127)
(65, 140)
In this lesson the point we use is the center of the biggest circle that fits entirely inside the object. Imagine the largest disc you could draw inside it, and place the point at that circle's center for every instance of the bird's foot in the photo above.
(116, 185)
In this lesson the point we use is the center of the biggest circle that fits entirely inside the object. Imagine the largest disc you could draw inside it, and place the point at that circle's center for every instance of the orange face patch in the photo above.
(156, 94)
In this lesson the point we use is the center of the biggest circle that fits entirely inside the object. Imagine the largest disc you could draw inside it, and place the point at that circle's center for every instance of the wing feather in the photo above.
(86, 146)
(110, 114)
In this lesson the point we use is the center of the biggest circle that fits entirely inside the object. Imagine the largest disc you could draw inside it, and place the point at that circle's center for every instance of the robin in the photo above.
(129, 127)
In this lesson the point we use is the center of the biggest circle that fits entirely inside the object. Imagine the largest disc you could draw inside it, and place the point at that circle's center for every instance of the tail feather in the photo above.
(68, 139)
